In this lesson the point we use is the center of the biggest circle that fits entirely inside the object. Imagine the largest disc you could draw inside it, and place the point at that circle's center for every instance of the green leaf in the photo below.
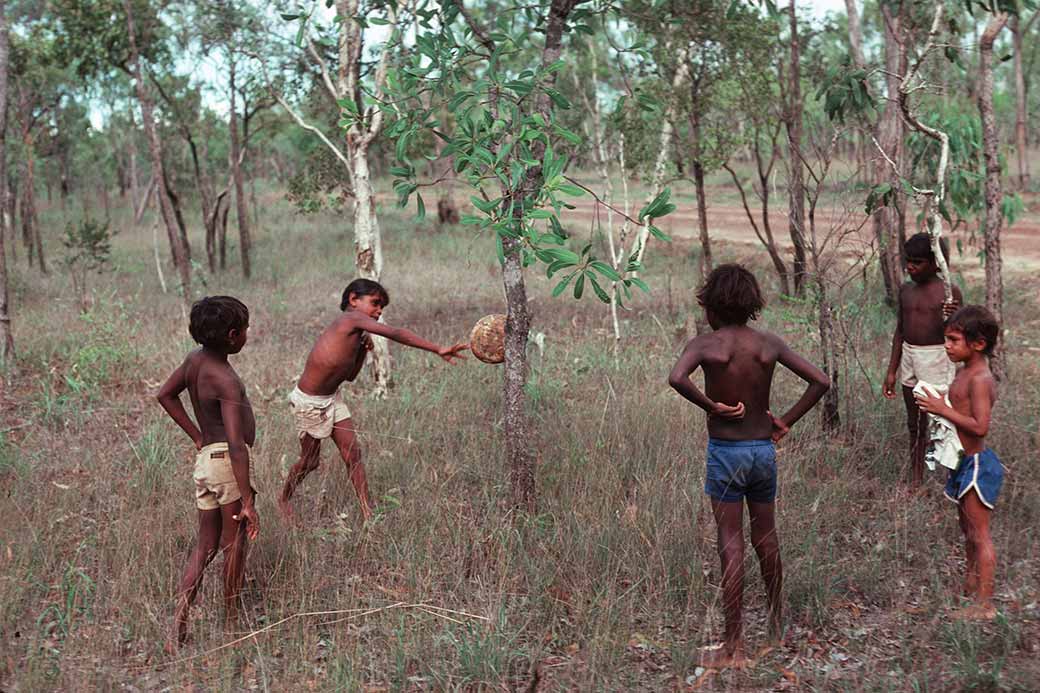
(486, 206)
(606, 270)
(600, 293)
(420, 207)
(659, 234)
(290, 17)
(539, 214)
(559, 99)
(378, 21)
(571, 137)
(579, 286)
(556, 266)
(562, 286)
(568, 189)
(638, 282)
(562, 254)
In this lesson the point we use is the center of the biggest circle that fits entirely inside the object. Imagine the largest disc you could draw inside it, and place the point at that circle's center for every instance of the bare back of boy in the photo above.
(738, 365)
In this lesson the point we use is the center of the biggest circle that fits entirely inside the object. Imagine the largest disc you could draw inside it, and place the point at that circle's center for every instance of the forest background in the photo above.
(579, 166)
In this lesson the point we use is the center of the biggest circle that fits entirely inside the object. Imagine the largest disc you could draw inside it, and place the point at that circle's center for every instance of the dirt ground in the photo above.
(1020, 244)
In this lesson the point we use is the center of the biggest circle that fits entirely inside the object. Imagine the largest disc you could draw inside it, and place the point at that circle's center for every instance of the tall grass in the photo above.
(612, 585)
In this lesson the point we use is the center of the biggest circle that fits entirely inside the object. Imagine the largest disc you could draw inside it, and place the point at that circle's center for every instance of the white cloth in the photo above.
(944, 445)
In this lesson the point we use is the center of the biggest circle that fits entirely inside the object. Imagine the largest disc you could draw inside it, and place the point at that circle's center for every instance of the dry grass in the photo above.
(98, 515)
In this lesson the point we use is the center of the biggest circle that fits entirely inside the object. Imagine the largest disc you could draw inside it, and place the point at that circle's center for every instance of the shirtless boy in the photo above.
(226, 427)
(917, 345)
(738, 363)
(339, 353)
(971, 335)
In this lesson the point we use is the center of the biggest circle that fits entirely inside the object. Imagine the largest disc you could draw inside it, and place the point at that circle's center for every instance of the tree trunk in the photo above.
(889, 222)
(828, 345)
(241, 211)
(697, 168)
(1020, 104)
(796, 179)
(991, 157)
(857, 141)
(6, 336)
(518, 320)
(223, 232)
(178, 214)
(682, 73)
(12, 215)
(368, 255)
(30, 220)
(131, 146)
(177, 246)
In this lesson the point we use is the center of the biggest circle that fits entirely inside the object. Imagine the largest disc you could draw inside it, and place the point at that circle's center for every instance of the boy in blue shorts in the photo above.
(970, 336)
(738, 363)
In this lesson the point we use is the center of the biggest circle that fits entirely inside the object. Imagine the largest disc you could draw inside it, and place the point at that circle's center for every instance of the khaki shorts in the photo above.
(215, 483)
(928, 363)
(316, 415)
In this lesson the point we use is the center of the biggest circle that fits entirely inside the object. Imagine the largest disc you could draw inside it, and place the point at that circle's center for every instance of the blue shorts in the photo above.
(739, 469)
(982, 472)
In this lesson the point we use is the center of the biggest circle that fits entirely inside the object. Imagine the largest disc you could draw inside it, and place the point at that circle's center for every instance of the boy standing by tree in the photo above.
(738, 363)
(970, 338)
(226, 428)
(339, 353)
(917, 345)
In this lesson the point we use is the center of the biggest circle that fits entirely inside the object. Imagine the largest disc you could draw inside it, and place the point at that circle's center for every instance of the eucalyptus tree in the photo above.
(1021, 27)
(39, 82)
(507, 143)
(6, 336)
(127, 35)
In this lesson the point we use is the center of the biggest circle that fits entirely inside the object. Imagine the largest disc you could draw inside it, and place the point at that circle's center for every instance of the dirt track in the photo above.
(727, 222)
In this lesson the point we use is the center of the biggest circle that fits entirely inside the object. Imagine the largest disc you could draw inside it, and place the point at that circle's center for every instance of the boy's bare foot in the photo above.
(976, 612)
(724, 656)
(971, 587)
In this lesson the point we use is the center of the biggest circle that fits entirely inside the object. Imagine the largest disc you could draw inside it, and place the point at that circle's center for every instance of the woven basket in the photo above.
(487, 341)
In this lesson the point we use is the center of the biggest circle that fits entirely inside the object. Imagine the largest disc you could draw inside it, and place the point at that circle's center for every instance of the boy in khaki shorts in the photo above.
(226, 428)
(917, 344)
(337, 355)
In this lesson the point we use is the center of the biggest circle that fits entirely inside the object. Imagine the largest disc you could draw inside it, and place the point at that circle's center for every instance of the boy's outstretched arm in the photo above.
(409, 338)
(170, 398)
(818, 381)
(889, 388)
(231, 404)
(680, 381)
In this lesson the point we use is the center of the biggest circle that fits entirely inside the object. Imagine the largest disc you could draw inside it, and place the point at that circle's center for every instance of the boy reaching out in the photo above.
(226, 428)
(337, 355)
(970, 337)
(738, 363)
(917, 344)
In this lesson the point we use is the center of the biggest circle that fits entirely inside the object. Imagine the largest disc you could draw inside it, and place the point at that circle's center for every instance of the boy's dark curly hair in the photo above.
(919, 246)
(213, 317)
(975, 323)
(731, 293)
(364, 287)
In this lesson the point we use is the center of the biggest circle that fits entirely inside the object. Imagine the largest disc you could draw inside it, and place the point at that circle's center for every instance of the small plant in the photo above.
(89, 248)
